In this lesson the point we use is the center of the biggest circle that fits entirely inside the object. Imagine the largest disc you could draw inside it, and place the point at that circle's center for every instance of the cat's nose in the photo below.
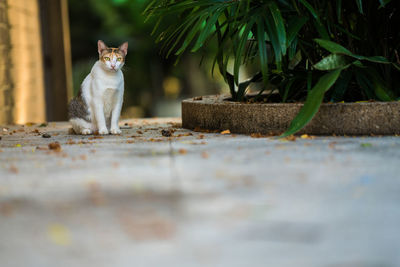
(113, 66)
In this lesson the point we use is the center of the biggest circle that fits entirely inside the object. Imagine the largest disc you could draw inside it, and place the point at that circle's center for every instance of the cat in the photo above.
(97, 107)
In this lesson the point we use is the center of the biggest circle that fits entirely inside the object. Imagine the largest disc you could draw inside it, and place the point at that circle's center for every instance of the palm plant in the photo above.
(306, 50)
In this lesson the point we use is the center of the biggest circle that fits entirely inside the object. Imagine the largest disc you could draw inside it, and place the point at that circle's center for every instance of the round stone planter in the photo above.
(216, 113)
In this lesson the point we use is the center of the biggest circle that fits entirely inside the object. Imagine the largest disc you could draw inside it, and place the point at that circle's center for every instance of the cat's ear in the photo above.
(124, 48)
(101, 46)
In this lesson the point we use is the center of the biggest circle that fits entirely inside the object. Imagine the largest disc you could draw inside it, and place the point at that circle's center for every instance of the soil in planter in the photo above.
(276, 98)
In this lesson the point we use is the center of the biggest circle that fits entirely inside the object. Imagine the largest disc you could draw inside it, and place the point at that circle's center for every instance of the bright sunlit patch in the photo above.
(59, 234)
(172, 87)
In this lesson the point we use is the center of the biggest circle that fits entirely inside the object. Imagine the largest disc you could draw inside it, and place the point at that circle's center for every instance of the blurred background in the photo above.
(51, 46)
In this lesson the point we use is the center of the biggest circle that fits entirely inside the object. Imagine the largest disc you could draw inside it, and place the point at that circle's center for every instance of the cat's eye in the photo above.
(106, 58)
(119, 59)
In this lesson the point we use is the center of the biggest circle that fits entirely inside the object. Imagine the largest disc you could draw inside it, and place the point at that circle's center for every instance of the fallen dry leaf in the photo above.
(306, 136)
(95, 137)
(155, 140)
(13, 169)
(6, 209)
(204, 155)
(70, 142)
(226, 132)
(182, 151)
(115, 165)
(55, 146)
(201, 130)
(184, 134)
(95, 194)
(332, 144)
(149, 226)
(257, 135)
(290, 138)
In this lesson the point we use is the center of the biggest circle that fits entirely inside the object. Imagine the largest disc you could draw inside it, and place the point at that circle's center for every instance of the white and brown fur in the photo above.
(97, 107)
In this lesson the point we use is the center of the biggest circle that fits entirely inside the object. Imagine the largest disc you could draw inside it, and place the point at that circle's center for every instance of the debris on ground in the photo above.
(290, 138)
(55, 146)
(167, 133)
(366, 145)
(182, 151)
(46, 135)
(13, 169)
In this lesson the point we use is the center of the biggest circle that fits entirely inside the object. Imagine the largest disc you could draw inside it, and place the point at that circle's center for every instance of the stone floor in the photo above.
(196, 199)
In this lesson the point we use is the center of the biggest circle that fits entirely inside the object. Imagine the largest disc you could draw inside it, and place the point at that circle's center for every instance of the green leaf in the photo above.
(295, 60)
(205, 33)
(365, 83)
(262, 51)
(333, 47)
(323, 33)
(384, 3)
(360, 6)
(338, 49)
(376, 59)
(271, 30)
(294, 27)
(190, 36)
(279, 26)
(381, 92)
(310, 8)
(339, 11)
(313, 102)
(396, 65)
(332, 62)
(341, 86)
(287, 89)
(239, 53)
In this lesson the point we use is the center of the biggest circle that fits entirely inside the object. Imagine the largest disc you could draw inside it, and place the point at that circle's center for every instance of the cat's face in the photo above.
(112, 58)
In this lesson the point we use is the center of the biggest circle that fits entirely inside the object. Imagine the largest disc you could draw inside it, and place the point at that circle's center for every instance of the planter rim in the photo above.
(223, 100)
(359, 118)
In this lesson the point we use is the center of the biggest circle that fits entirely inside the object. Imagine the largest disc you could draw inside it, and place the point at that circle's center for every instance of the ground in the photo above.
(196, 199)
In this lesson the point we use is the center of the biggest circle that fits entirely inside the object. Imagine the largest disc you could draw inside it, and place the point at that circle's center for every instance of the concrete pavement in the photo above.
(196, 199)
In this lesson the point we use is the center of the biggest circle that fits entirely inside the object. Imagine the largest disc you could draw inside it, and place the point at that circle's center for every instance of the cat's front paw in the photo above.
(86, 131)
(115, 131)
(103, 131)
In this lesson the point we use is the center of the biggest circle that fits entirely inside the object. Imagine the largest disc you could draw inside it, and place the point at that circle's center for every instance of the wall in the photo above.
(26, 58)
(6, 99)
